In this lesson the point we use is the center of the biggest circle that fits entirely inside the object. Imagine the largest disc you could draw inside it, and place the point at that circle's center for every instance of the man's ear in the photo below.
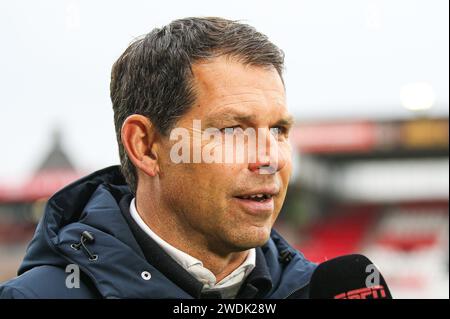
(140, 140)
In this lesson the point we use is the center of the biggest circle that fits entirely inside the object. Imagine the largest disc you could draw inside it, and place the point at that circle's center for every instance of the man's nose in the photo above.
(269, 159)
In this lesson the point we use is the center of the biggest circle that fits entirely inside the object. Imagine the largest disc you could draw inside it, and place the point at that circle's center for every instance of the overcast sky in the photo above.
(344, 59)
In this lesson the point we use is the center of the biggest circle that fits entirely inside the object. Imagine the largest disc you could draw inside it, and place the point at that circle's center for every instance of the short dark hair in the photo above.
(154, 78)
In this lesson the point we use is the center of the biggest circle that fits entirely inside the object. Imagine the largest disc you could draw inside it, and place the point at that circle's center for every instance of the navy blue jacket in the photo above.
(128, 263)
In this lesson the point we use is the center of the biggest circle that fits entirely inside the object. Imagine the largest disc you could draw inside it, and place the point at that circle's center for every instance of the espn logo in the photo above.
(375, 292)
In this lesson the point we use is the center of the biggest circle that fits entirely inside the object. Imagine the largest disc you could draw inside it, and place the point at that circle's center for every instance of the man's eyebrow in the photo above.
(287, 121)
(229, 116)
(236, 116)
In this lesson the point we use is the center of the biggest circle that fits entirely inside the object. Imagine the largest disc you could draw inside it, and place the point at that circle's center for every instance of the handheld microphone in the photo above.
(348, 277)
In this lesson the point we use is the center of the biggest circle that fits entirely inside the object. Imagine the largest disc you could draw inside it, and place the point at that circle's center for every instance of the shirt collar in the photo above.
(185, 260)
(192, 264)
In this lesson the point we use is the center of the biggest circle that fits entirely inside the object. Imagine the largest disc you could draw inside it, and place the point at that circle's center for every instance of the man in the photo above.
(161, 227)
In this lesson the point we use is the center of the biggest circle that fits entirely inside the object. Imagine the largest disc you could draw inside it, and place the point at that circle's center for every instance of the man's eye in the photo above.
(232, 129)
(278, 130)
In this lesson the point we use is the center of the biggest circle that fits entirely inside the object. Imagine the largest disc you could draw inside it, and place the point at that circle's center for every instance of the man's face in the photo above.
(210, 200)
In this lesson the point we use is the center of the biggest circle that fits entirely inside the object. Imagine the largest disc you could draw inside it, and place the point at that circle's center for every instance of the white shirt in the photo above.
(228, 286)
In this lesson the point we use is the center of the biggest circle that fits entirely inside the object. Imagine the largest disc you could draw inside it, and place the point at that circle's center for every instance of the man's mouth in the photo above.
(257, 197)
(259, 201)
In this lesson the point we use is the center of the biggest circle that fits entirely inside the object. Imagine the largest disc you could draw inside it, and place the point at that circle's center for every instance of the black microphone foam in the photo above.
(348, 277)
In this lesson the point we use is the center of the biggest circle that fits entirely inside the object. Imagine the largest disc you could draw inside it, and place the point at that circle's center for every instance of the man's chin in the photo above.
(252, 237)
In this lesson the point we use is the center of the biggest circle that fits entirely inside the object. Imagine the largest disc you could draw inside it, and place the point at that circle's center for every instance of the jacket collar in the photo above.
(96, 204)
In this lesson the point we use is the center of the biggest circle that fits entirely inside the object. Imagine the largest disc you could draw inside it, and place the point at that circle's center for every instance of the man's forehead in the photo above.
(226, 88)
(239, 96)
(221, 75)
(247, 113)
(244, 105)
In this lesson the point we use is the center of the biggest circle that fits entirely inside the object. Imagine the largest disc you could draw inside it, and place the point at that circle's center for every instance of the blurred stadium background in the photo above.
(371, 174)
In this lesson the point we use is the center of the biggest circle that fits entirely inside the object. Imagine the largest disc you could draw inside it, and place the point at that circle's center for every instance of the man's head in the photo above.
(226, 75)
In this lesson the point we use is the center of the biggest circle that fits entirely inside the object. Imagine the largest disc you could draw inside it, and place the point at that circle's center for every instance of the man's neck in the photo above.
(170, 230)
